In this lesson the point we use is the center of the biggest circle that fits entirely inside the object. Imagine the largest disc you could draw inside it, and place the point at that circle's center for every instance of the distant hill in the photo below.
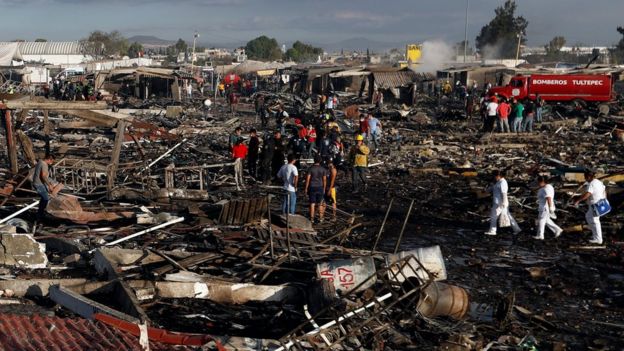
(150, 40)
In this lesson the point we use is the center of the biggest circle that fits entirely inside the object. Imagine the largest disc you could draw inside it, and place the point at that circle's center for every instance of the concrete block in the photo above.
(22, 250)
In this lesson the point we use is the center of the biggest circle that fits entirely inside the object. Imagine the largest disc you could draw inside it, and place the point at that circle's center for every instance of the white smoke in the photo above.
(435, 55)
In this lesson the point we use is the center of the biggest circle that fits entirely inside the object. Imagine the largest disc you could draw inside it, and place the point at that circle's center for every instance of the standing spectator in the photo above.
(316, 186)
(239, 152)
(539, 108)
(503, 116)
(252, 158)
(518, 112)
(290, 176)
(330, 196)
(364, 126)
(529, 111)
(492, 113)
(235, 137)
(278, 152)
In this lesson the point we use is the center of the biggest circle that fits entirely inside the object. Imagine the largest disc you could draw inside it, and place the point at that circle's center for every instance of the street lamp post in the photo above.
(195, 36)
(466, 34)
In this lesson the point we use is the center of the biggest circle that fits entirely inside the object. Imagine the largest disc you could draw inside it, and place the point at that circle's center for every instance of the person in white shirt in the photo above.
(546, 209)
(594, 192)
(492, 114)
(290, 176)
(500, 204)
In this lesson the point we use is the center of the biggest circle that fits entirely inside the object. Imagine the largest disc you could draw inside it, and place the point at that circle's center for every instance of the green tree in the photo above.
(181, 46)
(263, 48)
(618, 51)
(102, 44)
(301, 52)
(135, 50)
(499, 38)
(553, 48)
(40, 40)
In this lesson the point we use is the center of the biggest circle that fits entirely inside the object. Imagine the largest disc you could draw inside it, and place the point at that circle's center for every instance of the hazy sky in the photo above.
(592, 22)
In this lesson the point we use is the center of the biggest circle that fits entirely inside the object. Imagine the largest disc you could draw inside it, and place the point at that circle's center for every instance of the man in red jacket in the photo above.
(239, 152)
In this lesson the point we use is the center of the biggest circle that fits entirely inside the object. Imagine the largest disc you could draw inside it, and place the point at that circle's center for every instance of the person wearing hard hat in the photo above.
(358, 156)
(447, 88)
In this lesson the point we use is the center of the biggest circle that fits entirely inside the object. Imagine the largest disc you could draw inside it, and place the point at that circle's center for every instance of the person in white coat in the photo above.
(500, 204)
(594, 192)
(546, 209)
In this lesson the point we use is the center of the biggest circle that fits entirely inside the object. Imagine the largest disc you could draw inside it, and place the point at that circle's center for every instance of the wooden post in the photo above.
(11, 148)
(46, 124)
(112, 172)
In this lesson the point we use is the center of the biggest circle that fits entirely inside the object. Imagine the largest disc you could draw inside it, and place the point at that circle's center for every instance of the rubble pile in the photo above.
(151, 233)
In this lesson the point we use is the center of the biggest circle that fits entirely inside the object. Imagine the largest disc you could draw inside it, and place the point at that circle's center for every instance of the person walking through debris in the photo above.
(518, 112)
(374, 131)
(500, 205)
(546, 209)
(364, 125)
(316, 186)
(278, 152)
(378, 99)
(358, 157)
(529, 112)
(252, 158)
(447, 89)
(42, 184)
(290, 176)
(311, 137)
(330, 195)
(596, 196)
(239, 152)
(233, 100)
(492, 113)
(280, 118)
(503, 116)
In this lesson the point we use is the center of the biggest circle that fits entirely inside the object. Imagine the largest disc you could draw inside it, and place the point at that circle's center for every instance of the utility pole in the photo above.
(466, 34)
(195, 36)
(519, 35)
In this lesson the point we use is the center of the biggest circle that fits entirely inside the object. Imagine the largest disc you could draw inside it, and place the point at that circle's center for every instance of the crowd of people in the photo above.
(316, 139)
(319, 140)
(505, 116)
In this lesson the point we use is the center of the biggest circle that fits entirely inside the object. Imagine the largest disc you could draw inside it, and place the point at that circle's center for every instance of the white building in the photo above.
(53, 53)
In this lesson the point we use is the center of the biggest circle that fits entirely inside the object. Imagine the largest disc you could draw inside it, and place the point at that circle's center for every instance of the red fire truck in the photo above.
(579, 88)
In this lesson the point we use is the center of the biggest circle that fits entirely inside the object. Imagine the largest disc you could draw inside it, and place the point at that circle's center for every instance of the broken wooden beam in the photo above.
(55, 105)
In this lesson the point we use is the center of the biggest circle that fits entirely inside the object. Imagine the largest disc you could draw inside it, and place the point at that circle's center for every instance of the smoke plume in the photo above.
(435, 55)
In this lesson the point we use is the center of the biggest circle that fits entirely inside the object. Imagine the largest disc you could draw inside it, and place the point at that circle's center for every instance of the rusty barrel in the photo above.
(440, 299)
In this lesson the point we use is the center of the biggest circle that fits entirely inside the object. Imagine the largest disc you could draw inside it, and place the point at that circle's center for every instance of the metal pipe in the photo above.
(148, 230)
(409, 212)
(383, 224)
(20, 211)
(466, 37)
(166, 153)
(270, 226)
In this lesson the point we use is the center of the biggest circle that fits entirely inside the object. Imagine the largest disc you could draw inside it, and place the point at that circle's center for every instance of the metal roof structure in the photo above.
(48, 48)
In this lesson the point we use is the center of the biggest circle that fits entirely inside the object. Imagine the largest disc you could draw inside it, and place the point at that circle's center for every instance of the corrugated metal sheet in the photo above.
(49, 48)
(34, 332)
(387, 80)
